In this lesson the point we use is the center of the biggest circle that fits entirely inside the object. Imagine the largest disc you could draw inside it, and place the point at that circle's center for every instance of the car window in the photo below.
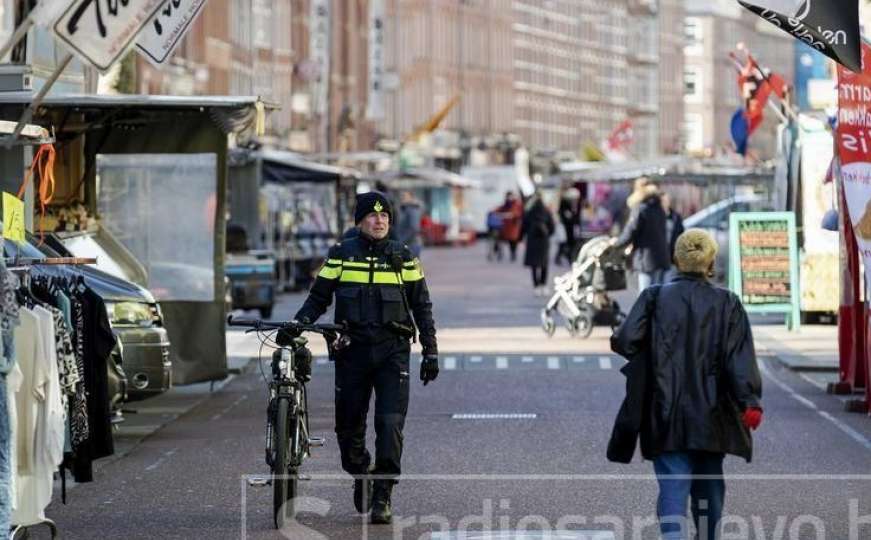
(713, 220)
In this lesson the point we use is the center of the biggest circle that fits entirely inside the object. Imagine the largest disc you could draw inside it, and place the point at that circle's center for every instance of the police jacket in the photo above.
(368, 278)
(701, 371)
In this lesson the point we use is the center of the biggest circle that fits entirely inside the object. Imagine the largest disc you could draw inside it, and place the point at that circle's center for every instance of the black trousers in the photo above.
(360, 370)
(539, 276)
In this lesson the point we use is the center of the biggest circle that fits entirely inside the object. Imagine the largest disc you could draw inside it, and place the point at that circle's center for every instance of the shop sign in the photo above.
(163, 33)
(763, 259)
(100, 31)
(854, 149)
(829, 26)
(375, 105)
(319, 47)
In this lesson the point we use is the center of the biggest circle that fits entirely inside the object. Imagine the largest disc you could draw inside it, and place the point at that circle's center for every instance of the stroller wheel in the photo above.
(547, 323)
(583, 324)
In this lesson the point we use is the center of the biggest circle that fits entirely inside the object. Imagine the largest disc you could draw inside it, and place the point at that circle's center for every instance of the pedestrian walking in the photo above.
(538, 227)
(570, 219)
(494, 234)
(646, 232)
(693, 388)
(383, 300)
(408, 230)
(673, 228)
(512, 222)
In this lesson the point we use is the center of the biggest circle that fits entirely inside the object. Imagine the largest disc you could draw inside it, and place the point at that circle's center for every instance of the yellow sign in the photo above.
(13, 218)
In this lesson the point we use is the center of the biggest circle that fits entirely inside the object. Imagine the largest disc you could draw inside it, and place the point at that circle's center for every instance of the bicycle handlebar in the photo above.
(257, 324)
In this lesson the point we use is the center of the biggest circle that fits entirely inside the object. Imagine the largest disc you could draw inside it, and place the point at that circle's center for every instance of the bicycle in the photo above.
(287, 428)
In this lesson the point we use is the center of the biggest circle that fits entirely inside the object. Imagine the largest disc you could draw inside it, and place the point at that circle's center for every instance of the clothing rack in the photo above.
(24, 264)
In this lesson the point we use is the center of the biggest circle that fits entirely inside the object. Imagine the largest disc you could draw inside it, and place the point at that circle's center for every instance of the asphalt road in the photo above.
(526, 452)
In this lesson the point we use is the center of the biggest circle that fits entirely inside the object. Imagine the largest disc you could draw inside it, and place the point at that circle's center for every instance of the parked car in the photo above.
(252, 274)
(134, 314)
(715, 220)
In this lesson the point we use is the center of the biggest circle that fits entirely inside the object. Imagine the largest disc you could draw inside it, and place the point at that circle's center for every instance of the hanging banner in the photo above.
(829, 26)
(854, 149)
(13, 218)
(163, 33)
(319, 52)
(100, 31)
(375, 104)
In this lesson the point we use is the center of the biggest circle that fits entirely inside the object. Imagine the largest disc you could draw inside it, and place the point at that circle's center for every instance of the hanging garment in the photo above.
(98, 344)
(13, 385)
(5, 459)
(79, 431)
(41, 395)
(29, 355)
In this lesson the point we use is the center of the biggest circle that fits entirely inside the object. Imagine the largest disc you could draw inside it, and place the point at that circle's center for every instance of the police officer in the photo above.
(382, 297)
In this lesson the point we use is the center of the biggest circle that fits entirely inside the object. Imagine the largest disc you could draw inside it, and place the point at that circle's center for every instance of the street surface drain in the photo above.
(484, 416)
(523, 535)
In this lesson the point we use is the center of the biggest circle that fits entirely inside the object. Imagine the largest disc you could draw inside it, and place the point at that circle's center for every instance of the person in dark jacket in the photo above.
(673, 223)
(703, 390)
(570, 218)
(646, 232)
(380, 294)
(538, 227)
(408, 225)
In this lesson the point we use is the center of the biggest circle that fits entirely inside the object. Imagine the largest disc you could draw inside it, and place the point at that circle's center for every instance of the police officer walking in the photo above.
(382, 298)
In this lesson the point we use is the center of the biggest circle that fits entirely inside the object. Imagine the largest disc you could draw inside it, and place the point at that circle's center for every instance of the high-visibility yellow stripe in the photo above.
(349, 264)
(329, 272)
(385, 278)
(412, 275)
(334, 261)
(354, 276)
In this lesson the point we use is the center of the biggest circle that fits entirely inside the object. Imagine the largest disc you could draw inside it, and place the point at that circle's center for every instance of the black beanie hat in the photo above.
(373, 201)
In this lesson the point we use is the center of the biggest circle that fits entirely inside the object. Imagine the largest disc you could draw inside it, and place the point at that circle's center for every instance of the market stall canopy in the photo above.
(232, 114)
(626, 170)
(285, 167)
(426, 177)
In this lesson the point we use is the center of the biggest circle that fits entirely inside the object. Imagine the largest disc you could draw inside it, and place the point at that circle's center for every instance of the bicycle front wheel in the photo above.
(284, 481)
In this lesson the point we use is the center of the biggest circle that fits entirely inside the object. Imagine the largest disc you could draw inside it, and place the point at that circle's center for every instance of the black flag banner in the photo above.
(830, 26)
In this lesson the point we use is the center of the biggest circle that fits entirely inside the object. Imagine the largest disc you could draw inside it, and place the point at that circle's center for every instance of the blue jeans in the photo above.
(646, 279)
(707, 494)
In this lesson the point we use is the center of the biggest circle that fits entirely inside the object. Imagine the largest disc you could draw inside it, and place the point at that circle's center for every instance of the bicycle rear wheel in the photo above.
(284, 480)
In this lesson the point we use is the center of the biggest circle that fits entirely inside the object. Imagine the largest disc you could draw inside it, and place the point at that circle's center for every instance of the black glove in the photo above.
(429, 369)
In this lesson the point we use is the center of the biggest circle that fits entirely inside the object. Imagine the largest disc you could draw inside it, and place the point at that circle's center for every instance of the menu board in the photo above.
(763, 257)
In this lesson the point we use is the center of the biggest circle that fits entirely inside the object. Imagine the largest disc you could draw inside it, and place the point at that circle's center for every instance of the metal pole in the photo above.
(17, 36)
(27, 115)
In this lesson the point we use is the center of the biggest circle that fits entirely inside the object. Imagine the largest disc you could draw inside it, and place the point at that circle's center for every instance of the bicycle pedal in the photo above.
(259, 481)
(316, 442)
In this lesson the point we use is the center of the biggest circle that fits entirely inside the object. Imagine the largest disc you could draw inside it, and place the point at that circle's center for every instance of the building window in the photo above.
(694, 132)
(692, 31)
(692, 84)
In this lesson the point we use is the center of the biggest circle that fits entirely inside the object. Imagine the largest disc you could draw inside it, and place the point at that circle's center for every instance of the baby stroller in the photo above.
(580, 296)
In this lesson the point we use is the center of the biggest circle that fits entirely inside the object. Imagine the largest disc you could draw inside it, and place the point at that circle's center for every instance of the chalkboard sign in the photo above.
(763, 263)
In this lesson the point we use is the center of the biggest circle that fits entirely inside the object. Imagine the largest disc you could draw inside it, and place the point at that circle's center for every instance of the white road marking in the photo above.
(494, 416)
(501, 362)
(228, 409)
(451, 363)
(322, 361)
(166, 455)
(850, 432)
(475, 359)
(605, 362)
(553, 362)
(527, 359)
(579, 359)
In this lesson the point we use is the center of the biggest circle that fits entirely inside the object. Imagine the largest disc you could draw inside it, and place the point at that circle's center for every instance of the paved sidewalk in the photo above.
(812, 348)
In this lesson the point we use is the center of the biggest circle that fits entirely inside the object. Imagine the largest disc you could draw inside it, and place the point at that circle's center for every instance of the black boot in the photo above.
(363, 493)
(381, 513)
